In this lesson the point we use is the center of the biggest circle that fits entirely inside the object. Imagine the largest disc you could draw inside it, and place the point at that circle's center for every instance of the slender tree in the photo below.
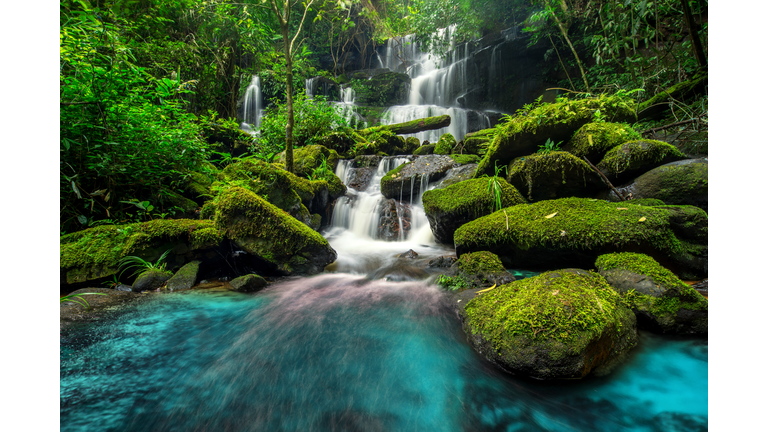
(283, 15)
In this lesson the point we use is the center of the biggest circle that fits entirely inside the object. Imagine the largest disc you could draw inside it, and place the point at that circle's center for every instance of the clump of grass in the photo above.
(141, 265)
(77, 298)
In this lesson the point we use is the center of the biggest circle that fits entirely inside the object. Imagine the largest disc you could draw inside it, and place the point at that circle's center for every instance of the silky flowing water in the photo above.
(371, 346)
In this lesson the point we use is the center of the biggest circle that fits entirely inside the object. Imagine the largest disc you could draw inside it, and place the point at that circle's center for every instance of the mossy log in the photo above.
(413, 126)
(657, 105)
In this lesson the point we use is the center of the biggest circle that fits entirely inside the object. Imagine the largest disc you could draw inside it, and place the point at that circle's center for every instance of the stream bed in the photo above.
(339, 352)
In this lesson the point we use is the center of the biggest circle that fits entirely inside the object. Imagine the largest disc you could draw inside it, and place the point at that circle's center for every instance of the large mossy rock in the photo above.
(628, 160)
(559, 324)
(185, 277)
(472, 271)
(406, 180)
(557, 121)
(574, 231)
(382, 89)
(448, 209)
(593, 140)
(307, 158)
(661, 301)
(94, 254)
(684, 182)
(385, 143)
(424, 150)
(553, 175)
(297, 196)
(261, 229)
(248, 283)
(150, 279)
(456, 175)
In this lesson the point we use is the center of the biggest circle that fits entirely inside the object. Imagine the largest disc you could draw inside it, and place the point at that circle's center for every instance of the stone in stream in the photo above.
(405, 182)
(575, 231)
(394, 220)
(410, 254)
(474, 270)
(150, 279)
(660, 300)
(185, 277)
(248, 283)
(448, 209)
(560, 324)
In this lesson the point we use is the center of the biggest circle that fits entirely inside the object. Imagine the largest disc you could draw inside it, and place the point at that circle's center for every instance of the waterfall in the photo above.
(252, 106)
(436, 84)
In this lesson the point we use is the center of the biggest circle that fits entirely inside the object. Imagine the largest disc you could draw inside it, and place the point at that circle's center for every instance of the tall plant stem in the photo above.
(564, 32)
(697, 48)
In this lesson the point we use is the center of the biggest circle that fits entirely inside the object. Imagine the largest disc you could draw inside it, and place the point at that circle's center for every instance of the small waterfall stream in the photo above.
(252, 106)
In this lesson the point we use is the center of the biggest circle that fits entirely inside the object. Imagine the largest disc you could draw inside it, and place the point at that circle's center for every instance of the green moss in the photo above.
(281, 188)
(536, 170)
(572, 308)
(477, 142)
(261, 228)
(577, 224)
(445, 144)
(307, 158)
(635, 155)
(676, 91)
(640, 264)
(646, 202)
(454, 283)
(465, 158)
(479, 262)
(393, 173)
(557, 121)
(469, 197)
(595, 139)
(208, 210)
(97, 251)
(425, 150)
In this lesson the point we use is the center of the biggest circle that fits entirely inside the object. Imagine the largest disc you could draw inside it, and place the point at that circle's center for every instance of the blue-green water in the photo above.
(340, 353)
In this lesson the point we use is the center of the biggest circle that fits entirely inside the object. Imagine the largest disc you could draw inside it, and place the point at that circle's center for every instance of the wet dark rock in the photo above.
(410, 254)
(399, 271)
(441, 262)
(150, 279)
(185, 277)
(394, 220)
(457, 174)
(248, 283)
(364, 161)
(360, 178)
(405, 181)
(678, 183)
(123, 287)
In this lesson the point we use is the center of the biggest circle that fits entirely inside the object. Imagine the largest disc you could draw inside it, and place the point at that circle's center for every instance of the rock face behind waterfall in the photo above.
(560, 324)
(574, 231)
(448, 209)
(405, 180)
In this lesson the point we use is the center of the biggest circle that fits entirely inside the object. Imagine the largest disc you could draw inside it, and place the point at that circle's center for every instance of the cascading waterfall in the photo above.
(252, 106)
(436, 85)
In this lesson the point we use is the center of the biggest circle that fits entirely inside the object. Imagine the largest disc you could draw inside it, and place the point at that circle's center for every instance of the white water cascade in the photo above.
(354, 232)
(436, 85)
(252, 106)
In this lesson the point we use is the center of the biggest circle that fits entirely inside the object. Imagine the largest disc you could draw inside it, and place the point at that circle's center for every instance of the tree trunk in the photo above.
(564, 32)
(288, 103)
(413, 126)
(698, 50)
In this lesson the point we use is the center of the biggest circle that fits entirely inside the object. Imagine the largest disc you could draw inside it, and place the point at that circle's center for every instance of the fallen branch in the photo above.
(413, 126)
(605, 179)
(671, 125)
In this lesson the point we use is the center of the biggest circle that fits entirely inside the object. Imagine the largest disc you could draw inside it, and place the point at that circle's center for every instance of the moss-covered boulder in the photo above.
(456, 174)
(150, 279)
(542, 176)
(465, 159)
(557, 121)
(197, 186)
(185, 277)
(473, 271)
(382, 89)
(574, 231)
(559, 324)
(261, 229)
(448, 209)
(297, 196)
(307, 158)
(445, 144)
(384, 143)
(425, 150)
(683, 182)
(408, 179)
(94, 254)
(593, 140)
(628, 160)
(248, 283)
(661, 301)
(477, 142)
(340, 141)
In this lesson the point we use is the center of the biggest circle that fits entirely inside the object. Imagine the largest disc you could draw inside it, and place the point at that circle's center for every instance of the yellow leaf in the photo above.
(550, 216)
(642, 219)
(589, 138)
(621, 208)
(487, 289)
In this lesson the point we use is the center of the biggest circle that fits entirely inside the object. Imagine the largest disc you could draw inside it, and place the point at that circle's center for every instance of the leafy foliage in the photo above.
(550, 146)
(141, 265)
(78, 298)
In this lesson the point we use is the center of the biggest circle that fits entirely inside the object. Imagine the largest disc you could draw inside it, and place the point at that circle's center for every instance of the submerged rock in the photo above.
(560, 324)
(448, 209)
(661, 301)
(574, 231)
